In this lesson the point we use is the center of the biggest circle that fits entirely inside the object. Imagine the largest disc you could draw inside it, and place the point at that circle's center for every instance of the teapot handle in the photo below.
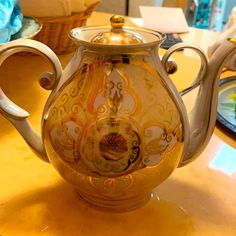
(202, 70)
(15, 114)
(189, 124)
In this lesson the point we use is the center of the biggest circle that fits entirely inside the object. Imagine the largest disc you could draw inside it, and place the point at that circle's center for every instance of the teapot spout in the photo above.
(203, 116)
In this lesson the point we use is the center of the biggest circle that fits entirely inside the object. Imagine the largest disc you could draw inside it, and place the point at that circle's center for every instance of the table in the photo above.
(198, 199)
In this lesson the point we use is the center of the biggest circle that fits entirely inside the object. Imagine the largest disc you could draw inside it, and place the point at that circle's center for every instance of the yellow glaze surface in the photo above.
(198, 199)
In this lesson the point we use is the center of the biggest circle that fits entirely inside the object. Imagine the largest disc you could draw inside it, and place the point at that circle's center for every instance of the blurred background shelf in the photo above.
(217, 15)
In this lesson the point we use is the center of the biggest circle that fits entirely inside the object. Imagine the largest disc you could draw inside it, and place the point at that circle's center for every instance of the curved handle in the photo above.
(15, 114)
(191, 147)
(202, 70)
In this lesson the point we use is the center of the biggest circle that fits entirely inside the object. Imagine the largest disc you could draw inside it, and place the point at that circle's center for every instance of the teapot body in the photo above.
(115, 125)
(113, 129)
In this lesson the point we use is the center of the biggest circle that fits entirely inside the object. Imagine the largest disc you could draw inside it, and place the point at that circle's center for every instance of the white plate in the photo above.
(30, 27)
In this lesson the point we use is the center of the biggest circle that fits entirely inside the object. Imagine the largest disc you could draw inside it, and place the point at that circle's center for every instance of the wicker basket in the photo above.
(55, 30)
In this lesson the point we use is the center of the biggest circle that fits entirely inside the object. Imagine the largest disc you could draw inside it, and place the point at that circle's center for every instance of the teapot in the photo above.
(114, 125)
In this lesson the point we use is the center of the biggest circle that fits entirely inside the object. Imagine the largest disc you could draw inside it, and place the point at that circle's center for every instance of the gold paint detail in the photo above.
(158, 142)
(114, 118)
(232, 40)
(115, 96)
(111, 147)
(113, 187)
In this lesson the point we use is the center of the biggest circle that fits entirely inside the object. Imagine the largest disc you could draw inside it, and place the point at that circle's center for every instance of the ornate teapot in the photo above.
(114, 124)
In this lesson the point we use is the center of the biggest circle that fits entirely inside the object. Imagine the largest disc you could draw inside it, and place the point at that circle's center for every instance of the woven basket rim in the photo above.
(86, 12)
(59, 27)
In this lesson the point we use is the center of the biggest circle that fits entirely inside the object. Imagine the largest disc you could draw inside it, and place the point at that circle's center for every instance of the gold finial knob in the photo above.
(117, 22)
(232, 40)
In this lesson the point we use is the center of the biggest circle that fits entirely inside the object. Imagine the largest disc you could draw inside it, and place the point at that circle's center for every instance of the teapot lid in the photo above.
(117, 35)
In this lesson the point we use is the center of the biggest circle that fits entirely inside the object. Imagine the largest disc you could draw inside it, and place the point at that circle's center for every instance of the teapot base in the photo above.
(114, 205)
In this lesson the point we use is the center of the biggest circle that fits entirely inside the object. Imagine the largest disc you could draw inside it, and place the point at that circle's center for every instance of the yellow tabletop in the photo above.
(198, 199)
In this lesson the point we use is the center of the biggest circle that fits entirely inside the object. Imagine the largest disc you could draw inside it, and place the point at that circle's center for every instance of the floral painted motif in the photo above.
(114, 119)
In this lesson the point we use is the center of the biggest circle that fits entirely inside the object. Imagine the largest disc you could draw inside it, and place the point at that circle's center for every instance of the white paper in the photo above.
(137, 21)
(164, 19)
